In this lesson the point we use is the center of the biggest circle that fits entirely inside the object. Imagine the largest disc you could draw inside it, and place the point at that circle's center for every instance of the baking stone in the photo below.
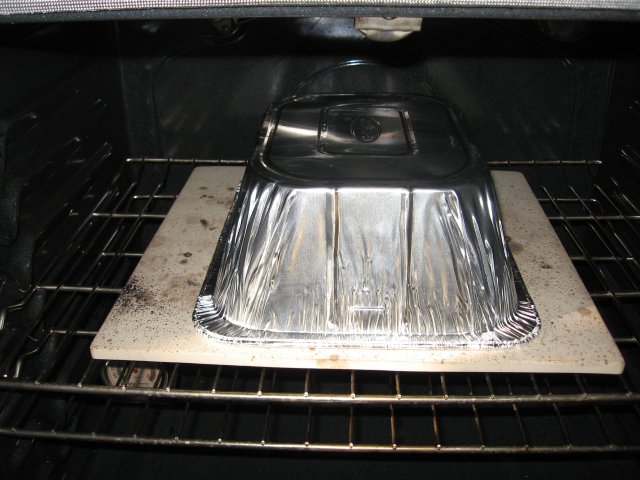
(152, 318)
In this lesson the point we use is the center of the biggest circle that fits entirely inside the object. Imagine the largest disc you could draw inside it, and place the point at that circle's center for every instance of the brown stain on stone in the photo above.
(192, 220)
(584, 311)
(515, 247)
(226, 203)
(173, 291)
(177, 286)
(204, 222)
(506, 216)
(332, 361)
(159, 240)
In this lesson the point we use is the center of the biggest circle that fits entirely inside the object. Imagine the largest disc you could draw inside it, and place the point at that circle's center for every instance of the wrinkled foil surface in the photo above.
(366, 266)
(369, 265)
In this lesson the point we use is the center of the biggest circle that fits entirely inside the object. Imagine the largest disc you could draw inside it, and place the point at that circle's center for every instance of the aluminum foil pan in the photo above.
(365, 221)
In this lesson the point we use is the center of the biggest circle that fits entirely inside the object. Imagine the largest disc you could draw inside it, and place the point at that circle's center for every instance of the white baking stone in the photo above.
(151, 321)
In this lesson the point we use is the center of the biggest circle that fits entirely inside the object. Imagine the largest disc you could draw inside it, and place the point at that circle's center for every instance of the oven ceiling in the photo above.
(50, 10)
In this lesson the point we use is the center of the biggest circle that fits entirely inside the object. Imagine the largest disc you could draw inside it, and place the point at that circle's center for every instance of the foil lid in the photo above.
(365, 221)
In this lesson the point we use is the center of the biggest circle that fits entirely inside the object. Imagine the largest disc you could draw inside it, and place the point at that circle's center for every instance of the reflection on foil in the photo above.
(375, 265)
(363, 266)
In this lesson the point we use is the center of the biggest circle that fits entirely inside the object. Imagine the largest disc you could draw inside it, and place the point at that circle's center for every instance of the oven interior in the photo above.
(101, 124)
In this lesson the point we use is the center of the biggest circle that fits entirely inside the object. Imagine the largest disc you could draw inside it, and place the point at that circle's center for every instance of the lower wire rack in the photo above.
(52, 388)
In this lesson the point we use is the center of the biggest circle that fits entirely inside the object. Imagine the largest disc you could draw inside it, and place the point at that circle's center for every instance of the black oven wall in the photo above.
(61, 126)
(192, 90)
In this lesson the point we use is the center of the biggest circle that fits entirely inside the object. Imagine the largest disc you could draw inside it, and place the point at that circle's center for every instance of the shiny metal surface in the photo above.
(371, 139)
(389, 237)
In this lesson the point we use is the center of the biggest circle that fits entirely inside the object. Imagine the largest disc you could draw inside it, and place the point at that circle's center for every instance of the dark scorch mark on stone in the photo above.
(136, 296)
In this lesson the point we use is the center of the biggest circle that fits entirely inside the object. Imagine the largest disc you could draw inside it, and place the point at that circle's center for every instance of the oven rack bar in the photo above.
(332, 399)
(497, 163)
(336, 448)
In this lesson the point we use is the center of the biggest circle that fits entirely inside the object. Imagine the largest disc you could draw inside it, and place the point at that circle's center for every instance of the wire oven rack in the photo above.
(52, 388)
